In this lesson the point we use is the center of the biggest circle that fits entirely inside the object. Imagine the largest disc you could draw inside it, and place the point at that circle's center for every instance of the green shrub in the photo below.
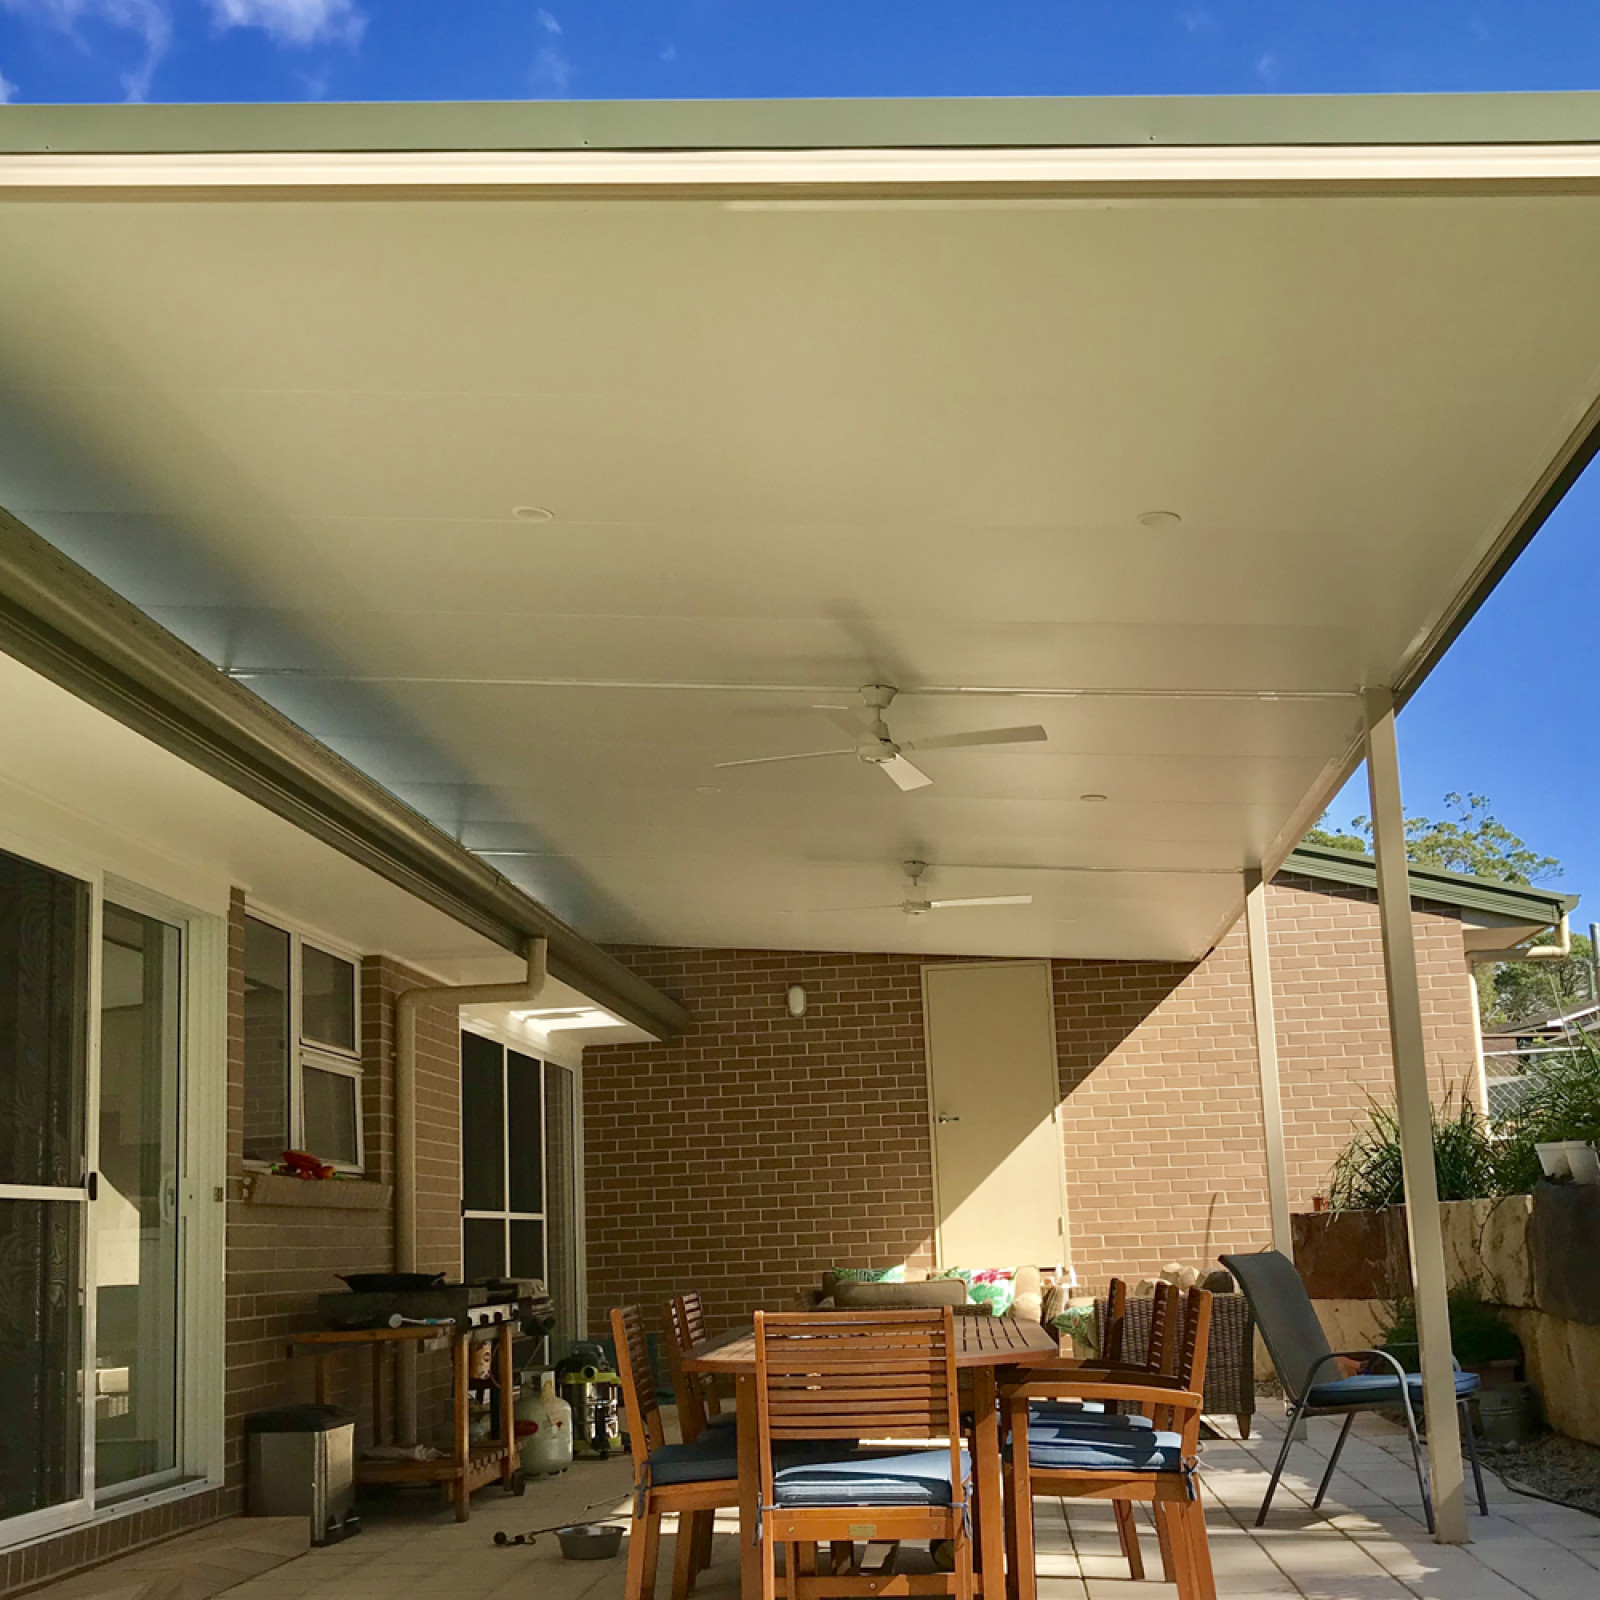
(1466, 1160)
(1479, 1332)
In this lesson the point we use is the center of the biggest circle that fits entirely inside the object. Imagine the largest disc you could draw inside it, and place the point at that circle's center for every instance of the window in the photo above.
(518, 1173)
(302, 1060)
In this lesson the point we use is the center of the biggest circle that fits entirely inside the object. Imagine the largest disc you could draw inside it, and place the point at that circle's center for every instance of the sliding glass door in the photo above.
(138, 1354)
(91, 1226)
(44, 1193)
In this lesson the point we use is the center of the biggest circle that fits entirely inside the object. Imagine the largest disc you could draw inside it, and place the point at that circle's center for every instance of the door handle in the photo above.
(946, 1119)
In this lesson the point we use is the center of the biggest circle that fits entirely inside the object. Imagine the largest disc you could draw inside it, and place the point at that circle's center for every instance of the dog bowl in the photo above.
(589, 1541)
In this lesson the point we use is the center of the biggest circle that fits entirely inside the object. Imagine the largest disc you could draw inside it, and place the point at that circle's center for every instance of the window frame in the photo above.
(313, 1053)
(506, 1215)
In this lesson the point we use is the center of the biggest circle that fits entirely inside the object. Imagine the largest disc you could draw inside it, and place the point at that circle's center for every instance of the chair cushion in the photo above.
(713, 1455)
(919, 1478)
(1135, 1450)
(899, 1296)
(1379, 1388)
(1046, 1413)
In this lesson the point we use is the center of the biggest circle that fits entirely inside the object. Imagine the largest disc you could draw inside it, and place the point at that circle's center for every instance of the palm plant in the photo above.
(1466, 1160)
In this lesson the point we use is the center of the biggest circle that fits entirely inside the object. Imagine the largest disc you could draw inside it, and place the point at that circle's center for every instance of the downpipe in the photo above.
(405, 1128)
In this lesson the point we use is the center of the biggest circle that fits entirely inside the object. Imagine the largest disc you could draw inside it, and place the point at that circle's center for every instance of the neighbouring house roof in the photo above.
(1504, 907)
(1553, 1022)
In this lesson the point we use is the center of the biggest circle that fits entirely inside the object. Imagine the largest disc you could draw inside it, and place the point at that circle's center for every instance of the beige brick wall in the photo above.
(746, 1156)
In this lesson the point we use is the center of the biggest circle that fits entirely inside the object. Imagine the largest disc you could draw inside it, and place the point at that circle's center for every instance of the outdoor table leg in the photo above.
(749, 1490)
(986, 1480)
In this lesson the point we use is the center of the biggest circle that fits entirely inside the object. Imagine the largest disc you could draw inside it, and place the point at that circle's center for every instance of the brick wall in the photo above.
(758, 1149)
(279, 1258)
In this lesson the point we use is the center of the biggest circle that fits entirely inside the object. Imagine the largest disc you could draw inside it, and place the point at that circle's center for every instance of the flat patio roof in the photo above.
(815, 395)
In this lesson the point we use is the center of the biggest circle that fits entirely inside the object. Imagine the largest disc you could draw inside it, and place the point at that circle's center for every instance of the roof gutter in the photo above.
(1559, 951)
(66, 625)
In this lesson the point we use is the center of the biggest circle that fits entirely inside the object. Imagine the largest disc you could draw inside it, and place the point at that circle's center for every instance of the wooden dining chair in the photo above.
(699, 1407)
(1121, 1458)
(700, 1477)
(835, 1378)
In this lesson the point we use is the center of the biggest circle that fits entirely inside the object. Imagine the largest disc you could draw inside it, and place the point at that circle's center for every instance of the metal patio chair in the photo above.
(1300, 1351)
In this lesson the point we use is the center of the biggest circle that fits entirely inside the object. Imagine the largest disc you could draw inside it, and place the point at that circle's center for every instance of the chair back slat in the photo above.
(1116, 1325)
(1283, 1312)
(1162, 1347)
(639, 1397)
(694, 1316)
(1193, 1342)
(855, 1375)
(686, 1386)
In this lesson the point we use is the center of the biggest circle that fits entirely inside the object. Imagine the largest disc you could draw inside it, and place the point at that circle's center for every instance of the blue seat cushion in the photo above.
(1136, 1450)
(1380, 1388)
(713, 1455)
(1047, 1414)
(918, 1478)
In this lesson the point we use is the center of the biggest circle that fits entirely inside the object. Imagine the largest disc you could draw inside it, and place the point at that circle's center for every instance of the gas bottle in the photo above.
(544, 1428)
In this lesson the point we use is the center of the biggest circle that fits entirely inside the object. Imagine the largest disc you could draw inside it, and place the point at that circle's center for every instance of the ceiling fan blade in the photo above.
(963, 741)
(985, 900)
(845, 720)
(805, 755)
(834, 911)
(903, 774)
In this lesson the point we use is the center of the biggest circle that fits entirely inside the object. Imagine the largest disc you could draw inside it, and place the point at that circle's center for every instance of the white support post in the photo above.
(1255, 922)
(1414, 1111)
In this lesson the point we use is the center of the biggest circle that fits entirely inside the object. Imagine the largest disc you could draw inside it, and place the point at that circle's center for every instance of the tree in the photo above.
(1517, 991)
(1475, 842)
(1472, 841)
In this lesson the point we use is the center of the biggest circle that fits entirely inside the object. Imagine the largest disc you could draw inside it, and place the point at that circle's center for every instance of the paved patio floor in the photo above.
(1371, 1547)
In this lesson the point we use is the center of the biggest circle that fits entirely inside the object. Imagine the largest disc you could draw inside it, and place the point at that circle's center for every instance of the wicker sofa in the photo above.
(1230, 1363)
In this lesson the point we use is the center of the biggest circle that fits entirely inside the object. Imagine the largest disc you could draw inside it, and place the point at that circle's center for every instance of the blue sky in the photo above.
(1509, 714)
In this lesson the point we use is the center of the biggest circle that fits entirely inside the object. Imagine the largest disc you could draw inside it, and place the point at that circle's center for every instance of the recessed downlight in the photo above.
(533, 514)
(1160, 519)
(1091, 797)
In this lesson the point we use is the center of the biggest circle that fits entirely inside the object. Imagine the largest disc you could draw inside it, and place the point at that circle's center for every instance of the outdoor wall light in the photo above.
(797, 1000)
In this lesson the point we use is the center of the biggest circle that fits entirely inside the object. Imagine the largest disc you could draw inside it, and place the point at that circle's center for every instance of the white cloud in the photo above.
(148, 20)
(552, 68)
(1267, 67)
(7, 89)
(299, 22)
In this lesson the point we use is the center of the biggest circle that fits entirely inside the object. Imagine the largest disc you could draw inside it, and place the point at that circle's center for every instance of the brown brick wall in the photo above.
(759, 1149)
(280, 1258)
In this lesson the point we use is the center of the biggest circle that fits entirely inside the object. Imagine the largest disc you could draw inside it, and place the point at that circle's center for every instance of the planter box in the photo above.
(331, 1194)
(1353, 1255)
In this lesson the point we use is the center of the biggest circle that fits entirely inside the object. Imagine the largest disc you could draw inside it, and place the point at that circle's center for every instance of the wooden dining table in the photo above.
(985, 1347)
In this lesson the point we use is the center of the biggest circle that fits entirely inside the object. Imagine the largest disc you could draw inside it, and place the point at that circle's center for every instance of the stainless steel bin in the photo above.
(300, 1462)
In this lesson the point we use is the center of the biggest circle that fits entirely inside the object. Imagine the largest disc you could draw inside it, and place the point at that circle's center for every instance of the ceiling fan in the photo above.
(917, 904)
(873, 745)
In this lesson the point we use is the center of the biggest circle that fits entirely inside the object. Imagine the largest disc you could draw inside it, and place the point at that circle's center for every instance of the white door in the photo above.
(994, 1095)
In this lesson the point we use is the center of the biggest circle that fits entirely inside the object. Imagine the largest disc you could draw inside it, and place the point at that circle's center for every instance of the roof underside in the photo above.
(804, 429)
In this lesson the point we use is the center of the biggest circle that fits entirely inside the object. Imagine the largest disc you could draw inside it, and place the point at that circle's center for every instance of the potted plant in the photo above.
(1482, 1339)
